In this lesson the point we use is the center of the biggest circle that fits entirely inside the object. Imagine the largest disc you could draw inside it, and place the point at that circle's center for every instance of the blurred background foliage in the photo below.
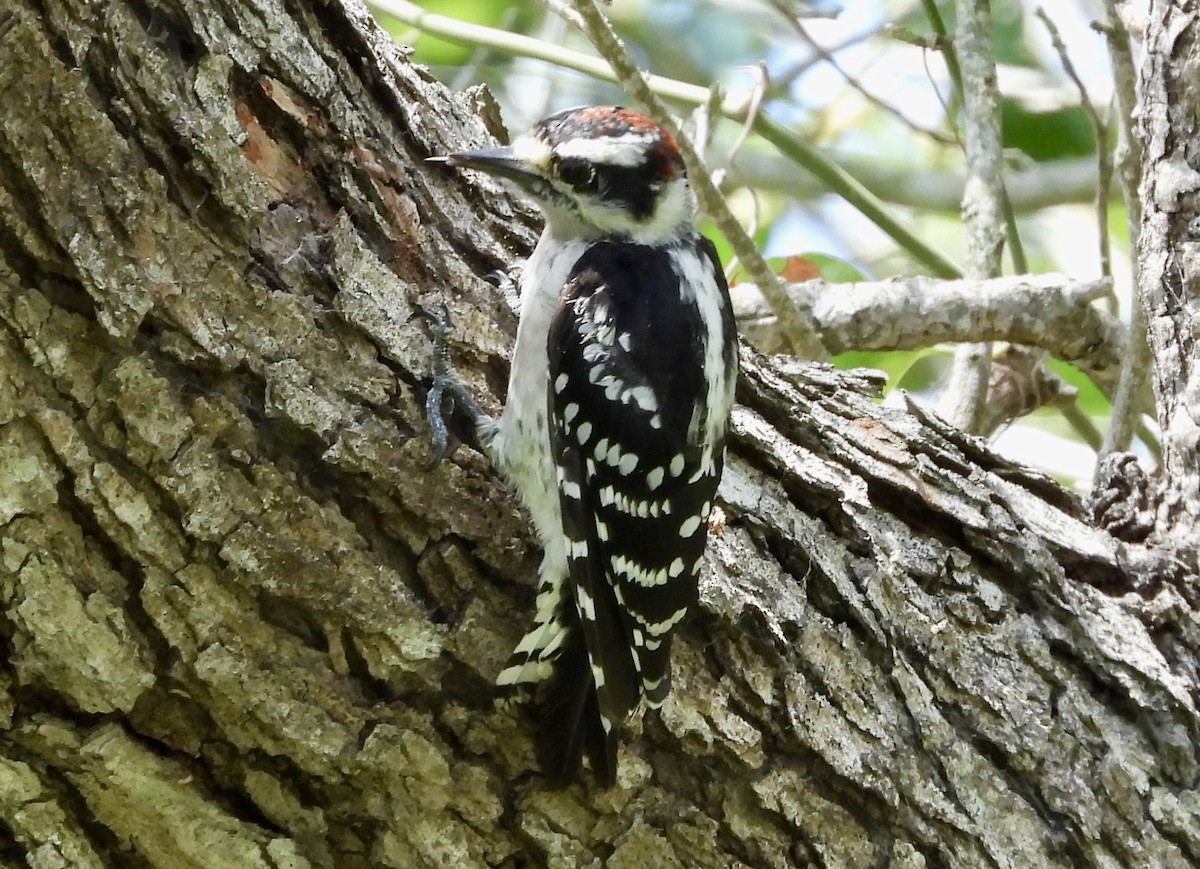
(866, 83)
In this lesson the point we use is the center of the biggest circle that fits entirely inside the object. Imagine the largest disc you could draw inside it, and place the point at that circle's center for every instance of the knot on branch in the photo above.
(1120, 500)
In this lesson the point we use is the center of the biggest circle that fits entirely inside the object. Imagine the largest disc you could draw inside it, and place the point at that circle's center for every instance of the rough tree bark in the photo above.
(245, 624)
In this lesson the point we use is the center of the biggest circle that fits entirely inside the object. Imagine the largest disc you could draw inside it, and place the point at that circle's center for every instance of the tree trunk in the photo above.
(245, 623)
(1170, 261)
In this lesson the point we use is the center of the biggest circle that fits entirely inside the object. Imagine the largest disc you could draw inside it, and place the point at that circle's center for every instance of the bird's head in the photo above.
(597, 171)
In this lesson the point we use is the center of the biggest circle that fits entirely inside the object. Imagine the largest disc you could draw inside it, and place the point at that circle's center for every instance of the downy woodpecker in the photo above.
(614, 429)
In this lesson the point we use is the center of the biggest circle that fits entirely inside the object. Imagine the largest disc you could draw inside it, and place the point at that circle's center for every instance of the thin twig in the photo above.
(949, 53)
(856, 85)
(1100, 130)
(562, 8)
(1082, 423)
(518, 45)
(762, 83)
(1036, 186)
(965, 394)
(1131, 388)
(856, 193)
(784, 79)
(955, 90)
(1012, 235)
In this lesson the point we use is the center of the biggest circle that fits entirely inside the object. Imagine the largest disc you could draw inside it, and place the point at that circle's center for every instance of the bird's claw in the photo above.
(445, 385)
(506, 283)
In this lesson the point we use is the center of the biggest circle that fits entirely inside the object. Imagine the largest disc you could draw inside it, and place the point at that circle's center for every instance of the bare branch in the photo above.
(983, 200)
(1052, 312)
(1100, 130)
(1130, 394)
(1029, 187)
(855, 84)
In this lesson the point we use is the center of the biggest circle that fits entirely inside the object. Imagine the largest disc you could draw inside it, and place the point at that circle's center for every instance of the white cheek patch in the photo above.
(672, 210)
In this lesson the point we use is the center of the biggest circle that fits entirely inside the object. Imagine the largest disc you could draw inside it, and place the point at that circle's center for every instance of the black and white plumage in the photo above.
(614, 428)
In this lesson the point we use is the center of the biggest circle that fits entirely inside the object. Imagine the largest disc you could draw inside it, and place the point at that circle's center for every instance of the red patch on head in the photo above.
(616, 121)
(666, 154)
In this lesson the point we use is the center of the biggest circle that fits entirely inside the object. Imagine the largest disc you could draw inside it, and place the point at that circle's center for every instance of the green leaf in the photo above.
(1091, 400)
(1047, 136)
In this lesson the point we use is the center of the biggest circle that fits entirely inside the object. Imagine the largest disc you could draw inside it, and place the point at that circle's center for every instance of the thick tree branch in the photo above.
(1051, 312)
(1168, 267)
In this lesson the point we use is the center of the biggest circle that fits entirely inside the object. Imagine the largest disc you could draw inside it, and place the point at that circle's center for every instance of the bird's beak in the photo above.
(501, 162)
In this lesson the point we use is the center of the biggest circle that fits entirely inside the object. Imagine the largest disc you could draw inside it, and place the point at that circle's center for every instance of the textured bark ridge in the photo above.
(1167, 255)
(245, 624)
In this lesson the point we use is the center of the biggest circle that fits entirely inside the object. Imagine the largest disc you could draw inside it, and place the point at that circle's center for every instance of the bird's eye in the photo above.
(579, 174)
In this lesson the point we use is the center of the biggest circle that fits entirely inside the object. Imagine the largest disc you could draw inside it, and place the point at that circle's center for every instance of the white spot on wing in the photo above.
(662, 627)
(643, 397)
(587, 607)
(530, 671)
(651, 687)
(638, 574)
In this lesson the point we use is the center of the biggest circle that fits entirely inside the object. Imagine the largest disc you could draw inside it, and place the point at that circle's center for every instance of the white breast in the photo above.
(523, 442)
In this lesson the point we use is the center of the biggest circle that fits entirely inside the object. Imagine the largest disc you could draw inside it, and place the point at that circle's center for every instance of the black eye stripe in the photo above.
(635, 189)
(579, 174)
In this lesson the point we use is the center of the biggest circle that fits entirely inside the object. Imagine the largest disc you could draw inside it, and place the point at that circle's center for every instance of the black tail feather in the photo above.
(570, 725)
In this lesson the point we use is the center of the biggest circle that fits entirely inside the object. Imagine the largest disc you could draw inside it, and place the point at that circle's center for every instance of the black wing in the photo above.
(637, 474)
